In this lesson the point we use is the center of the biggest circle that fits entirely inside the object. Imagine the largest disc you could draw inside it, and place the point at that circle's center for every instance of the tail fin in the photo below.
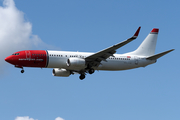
(148, 46)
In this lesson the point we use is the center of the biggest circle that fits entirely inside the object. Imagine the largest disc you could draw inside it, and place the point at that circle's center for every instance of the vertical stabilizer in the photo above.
(148, 46)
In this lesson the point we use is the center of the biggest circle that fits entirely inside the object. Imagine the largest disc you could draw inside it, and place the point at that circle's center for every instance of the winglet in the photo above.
(137, 33)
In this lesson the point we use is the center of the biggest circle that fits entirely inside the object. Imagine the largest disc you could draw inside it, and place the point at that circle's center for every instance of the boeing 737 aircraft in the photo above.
(66, 63)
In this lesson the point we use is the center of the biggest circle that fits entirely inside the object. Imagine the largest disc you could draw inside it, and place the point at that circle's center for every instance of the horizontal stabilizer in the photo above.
(155, 57)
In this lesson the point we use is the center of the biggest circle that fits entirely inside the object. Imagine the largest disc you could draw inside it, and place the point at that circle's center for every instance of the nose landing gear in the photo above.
(22, 71)
(17, 66)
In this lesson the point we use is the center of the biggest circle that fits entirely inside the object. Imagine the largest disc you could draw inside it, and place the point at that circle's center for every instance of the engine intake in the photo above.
(61, 72)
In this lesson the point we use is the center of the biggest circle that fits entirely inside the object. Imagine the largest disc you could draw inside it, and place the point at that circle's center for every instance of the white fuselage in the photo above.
(58, 59)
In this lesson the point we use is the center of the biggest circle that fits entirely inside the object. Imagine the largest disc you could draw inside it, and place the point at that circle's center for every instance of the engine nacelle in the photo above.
(61, 72)
(76, 63)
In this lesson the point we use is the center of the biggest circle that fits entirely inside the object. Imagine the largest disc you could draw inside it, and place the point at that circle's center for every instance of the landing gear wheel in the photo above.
(82, 76)
(22, 71)
(91, 71)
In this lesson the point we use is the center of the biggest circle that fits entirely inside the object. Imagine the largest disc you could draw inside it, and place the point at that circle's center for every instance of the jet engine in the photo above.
(76, 63)
(61, 72)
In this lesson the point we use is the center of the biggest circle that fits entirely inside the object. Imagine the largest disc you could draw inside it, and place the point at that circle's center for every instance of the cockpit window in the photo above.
(15, 54)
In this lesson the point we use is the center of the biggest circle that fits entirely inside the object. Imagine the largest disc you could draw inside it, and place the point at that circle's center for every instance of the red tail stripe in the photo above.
(155, 30)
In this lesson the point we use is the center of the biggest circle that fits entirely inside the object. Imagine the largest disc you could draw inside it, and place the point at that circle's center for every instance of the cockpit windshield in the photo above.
(15, 54)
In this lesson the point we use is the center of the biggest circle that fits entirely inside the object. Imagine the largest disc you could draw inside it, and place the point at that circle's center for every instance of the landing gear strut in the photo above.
(22, 71)
(82, 76)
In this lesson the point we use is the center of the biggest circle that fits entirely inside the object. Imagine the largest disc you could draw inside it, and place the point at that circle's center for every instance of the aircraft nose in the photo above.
(8, 59)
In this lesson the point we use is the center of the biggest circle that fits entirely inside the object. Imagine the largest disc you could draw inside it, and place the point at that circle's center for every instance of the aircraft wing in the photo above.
(95, 59)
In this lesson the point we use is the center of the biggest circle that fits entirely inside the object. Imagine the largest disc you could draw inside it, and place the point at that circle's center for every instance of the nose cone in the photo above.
(8, 59)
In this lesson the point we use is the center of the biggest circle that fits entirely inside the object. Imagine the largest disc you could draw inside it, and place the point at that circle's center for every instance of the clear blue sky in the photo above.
(150, 93)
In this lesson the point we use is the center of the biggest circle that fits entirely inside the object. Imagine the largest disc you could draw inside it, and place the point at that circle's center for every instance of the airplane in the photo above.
(65, 63)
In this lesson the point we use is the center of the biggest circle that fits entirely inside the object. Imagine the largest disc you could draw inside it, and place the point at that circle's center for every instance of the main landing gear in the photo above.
(82, 76)
(90, 71)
